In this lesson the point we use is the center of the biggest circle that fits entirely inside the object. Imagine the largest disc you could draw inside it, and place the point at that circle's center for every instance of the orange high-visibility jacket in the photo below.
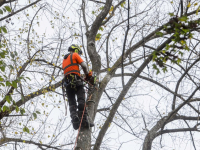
(71, 64)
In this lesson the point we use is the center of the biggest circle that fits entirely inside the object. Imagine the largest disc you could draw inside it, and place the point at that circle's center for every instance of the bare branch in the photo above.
(13, 13)
(7, 140)
(179, 81)
(124, 46)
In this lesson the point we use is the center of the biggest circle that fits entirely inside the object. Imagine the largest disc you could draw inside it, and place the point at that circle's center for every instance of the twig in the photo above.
(124, 47)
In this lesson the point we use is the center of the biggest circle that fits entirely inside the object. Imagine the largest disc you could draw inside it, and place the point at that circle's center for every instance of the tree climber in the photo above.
(74, 85)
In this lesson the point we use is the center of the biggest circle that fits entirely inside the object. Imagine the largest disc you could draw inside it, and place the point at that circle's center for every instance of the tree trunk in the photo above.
(152, 134)
(84, 140)
(147, 142)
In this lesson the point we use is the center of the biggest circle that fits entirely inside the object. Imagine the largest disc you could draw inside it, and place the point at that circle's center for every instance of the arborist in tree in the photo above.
(74, 85)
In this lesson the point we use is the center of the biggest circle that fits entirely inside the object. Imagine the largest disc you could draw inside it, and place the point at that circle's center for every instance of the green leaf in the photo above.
(2, 84)
(164, 69)
(101, 8)
(28, 78)
(178, 61)
(3, 54)
(22, 111)
(8, 98)
(8, 83)
(122, 4)
(185, 30)
(157, 71)
(17, 109)
(12, 55)
(190, 35)
(25, 129)
(8, 8)
(197, 10)
(3, 68)
(5, 108)
(1, 79)
(14, 84)
(98, 37)
(101, 28)
(4, 29)
(171, 14)
(183, 42)
(15, 53)
(34, 115)
(11, 66)
(187, 48)
(167, 47)
(180, 53)
(38, 112)
(22, 77)
(165, 59)
(159, 34)
(14, 103)
(154, 55)
(156, 68)
(183, 18)
(1, 11)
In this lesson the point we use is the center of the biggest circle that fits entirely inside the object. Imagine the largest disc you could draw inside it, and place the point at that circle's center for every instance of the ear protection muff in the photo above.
(76, 51)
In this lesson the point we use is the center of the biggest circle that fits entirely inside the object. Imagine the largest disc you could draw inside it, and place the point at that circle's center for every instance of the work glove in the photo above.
(88, 76)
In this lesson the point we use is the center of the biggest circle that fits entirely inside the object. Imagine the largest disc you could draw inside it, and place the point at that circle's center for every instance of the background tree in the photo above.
(148, 87)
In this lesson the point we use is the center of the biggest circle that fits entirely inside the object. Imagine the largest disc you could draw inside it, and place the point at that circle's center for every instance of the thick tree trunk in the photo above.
(84, 140)
(147, 142)
(152, 134)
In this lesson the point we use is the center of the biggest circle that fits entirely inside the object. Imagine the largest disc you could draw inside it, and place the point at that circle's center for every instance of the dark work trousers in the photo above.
(73, 91)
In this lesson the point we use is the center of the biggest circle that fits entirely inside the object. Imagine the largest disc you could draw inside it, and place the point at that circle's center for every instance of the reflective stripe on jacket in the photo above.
(71, 64)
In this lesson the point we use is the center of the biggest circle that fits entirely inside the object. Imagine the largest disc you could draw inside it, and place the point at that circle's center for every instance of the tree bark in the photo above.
(84, 139)
(147, 145)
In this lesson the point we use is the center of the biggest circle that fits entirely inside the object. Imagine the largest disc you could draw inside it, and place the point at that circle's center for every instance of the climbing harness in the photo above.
(70, 82)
